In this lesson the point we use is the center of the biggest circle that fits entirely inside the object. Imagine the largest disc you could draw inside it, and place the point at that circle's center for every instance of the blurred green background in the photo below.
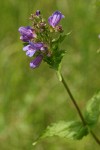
(30, 100)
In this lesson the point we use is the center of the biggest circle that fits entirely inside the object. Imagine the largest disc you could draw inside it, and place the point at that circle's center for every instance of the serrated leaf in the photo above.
(59, 39)
(70, 130)
(62, 37)
(92, 111)
(55, 60)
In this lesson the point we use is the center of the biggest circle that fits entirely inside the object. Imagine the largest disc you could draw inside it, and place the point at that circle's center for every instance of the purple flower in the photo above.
(30, 51)
(37, 46)
(27, 33)
(32, 48)
(36, 62)
(55, 18)
(38, 13)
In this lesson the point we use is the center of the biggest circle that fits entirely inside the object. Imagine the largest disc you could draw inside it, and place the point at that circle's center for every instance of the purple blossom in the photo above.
(27, 33)
(37, 46)
(32, 48)
(36, 62)
(30, 51)
(38, 13)
(55, 18)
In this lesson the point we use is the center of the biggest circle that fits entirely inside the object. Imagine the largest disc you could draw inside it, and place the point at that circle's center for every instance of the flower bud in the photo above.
(38, 12)
(36, 62)
(55, 18)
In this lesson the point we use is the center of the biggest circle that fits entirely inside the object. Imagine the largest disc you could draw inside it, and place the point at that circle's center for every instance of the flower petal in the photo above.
(26, 48)
(30, 53)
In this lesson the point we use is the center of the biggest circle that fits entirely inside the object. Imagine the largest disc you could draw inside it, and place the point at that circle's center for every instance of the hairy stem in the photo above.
(77, 108)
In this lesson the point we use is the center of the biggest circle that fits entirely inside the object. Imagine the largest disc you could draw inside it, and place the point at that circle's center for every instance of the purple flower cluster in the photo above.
(27, 34)
(37, 43)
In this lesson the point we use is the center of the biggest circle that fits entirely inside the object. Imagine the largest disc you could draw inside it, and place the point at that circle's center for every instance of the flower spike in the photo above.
(40, 40)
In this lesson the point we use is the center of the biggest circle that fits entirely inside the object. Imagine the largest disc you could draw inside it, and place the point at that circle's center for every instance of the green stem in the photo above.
(77, 108)
(95, 137)
(73, 100)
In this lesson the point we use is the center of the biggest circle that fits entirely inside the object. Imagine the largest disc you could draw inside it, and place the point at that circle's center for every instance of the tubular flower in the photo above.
(32, 48)
(30, 51)
(55, 18)
(37, 46)
(36, 62)
(27, 33)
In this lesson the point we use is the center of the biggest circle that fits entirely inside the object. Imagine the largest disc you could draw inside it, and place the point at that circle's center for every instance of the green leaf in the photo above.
(55, 60)
(69, 130)
(60, 39)
(56, 53)
(92, 111)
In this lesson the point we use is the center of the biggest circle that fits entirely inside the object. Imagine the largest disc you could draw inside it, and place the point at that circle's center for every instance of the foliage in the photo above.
(92, 112)
(69, 130)
(75, 130)
(57, 53)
